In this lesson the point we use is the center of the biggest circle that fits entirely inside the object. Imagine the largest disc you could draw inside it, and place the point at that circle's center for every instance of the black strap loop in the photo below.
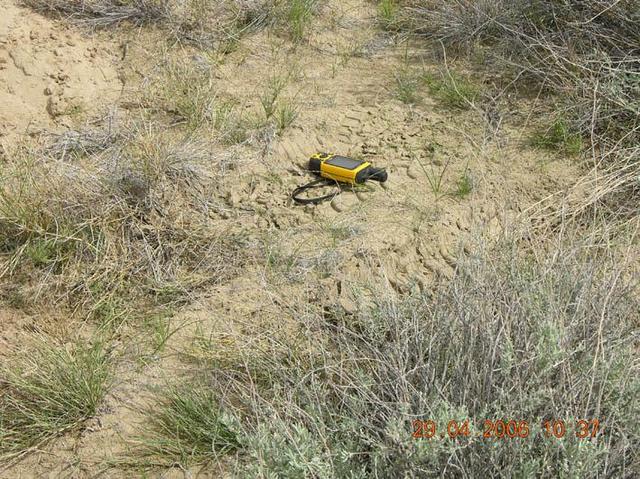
(320, 182)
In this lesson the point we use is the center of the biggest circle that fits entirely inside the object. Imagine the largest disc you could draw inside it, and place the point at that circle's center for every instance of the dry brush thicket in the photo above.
(536, 337)
(585, 55)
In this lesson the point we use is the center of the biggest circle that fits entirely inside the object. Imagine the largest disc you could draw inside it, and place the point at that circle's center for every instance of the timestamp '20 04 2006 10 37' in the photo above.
(506, 429)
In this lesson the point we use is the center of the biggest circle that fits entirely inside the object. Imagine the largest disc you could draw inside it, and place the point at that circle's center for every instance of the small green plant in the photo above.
(273, 178)
(352, 50)
(558, 137)
(41, 252)
(74, 110)
(229, 45)
(406, 86)
(49, 390)
(278, 258)
(270, 97)
(109, 305)
(341, 232)
(159, 330)
(285, 116)
(298, 15)
(435, 176)
(187, 426)
(387, 10)
(452, 89)
(464, 186)
(223, 114)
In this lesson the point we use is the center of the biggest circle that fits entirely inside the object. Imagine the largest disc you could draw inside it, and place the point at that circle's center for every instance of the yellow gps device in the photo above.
(336, 170)
(344, 169)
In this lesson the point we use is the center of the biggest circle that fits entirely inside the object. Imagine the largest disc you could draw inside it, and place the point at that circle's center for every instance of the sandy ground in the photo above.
(49, 73)
(405, 232)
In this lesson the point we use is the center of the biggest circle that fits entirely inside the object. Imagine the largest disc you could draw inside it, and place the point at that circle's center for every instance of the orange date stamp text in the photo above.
(506, 429)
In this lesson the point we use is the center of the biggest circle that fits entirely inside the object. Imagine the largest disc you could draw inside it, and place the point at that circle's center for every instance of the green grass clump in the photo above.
(269, 98)
(407, 85)
(286, 114)
(298, 14)
(46, 251)
(464, 186)
(186, 91)
(387, 11)
(187, 426)
(558, 137)
(452, 89)
(277, 110)
(436, 173)
(48, 390)
(232, 125)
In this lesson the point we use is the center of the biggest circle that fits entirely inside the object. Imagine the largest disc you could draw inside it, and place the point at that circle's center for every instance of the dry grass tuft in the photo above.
(74, 144)
(133, 221)
(105, 13)
(205, 24)
(48, 389)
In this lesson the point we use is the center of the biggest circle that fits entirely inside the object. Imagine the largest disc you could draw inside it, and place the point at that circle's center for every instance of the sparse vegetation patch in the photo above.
(494, 343)
(258, 337)
(47, 389)
(584, 54)
(453, 90)
(130, 223)
(558, 137)
(187, 426)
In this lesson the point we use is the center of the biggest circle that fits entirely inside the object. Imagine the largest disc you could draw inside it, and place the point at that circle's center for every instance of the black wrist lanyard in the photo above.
(319, 183)
(377, 174)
